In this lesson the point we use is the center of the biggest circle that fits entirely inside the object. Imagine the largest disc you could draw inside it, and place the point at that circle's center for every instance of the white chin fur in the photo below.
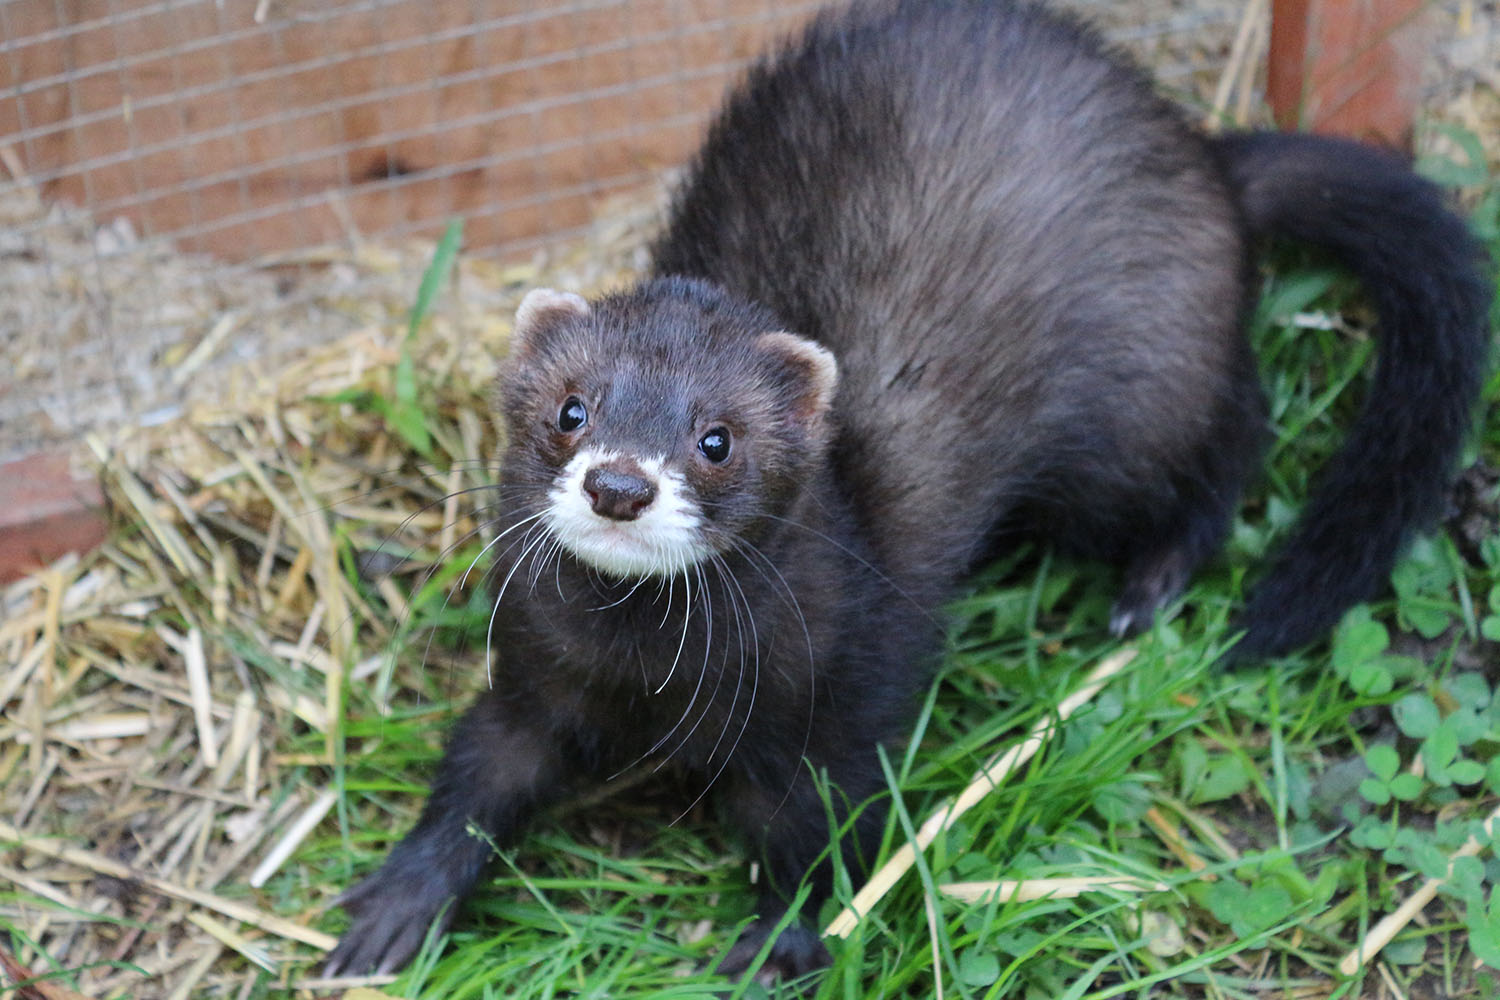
(664, 540)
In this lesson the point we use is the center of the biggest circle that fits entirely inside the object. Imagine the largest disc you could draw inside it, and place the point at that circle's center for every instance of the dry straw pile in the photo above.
(172, 699)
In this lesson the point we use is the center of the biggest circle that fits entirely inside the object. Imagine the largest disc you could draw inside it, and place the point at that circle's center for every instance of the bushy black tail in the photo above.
(1429, 281)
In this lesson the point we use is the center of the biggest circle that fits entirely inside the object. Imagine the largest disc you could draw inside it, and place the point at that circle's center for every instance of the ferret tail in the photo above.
(1429, 281)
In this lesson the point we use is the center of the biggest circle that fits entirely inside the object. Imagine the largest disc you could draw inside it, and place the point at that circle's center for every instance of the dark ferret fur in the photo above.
(1033, 275)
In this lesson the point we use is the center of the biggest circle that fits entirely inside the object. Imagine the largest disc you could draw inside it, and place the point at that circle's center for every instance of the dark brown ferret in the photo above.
(942, 269)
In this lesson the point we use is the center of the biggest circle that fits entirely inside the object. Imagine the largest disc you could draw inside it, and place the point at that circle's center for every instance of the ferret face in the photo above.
(652, 431)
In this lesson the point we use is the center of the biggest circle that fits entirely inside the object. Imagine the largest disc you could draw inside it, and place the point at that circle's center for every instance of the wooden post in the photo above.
(1347, 67)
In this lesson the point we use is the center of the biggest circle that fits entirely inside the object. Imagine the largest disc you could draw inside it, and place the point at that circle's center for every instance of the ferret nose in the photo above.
(618, 494)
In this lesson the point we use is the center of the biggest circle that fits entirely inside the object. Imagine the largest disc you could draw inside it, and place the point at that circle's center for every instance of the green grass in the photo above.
(1292, 782)
(1318, 792)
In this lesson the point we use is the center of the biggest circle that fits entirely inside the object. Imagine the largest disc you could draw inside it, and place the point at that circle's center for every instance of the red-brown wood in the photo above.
(205, 126)
(47, 509)
(1347, 67)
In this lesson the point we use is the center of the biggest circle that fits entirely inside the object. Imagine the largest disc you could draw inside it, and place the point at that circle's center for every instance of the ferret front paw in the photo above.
(392, 917)
(797, 952)
(1150, 586)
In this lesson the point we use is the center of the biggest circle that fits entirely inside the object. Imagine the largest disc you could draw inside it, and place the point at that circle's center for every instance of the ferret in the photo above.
(943, 272)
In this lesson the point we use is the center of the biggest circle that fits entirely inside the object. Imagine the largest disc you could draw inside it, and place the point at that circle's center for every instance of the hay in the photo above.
(133, 723)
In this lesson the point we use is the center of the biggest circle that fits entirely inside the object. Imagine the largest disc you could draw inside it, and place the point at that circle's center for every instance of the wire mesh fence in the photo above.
(244, 128)
(165, 165)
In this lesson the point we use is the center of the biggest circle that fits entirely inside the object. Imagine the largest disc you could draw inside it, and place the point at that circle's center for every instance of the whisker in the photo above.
(542, 536)
(463, 580)
(671, 586)
(719, 567)
(705, 599)
(729, 717)
(597, 580)
(432, 568)
(407, 487)
(747, 548)
(448, 597)
(687, 621)
(846, 550)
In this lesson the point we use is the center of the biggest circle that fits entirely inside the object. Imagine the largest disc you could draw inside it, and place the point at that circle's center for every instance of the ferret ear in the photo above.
(811, 367)
(541, 309)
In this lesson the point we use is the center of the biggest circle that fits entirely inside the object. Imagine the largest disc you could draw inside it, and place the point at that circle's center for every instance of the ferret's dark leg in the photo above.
(1169, 552)
(497, 769)
(793, 830)
(1174, 533)
(1153, 580)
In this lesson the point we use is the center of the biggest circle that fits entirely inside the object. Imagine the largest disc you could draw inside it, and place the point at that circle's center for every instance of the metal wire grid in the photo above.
(145, 132)
(101, 107)
(190, 118)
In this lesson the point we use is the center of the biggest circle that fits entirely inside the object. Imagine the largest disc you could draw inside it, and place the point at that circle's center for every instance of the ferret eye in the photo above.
(715, 445)
(572, 416)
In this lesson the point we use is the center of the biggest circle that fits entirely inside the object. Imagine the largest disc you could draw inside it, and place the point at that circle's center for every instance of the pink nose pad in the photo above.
(618, 494)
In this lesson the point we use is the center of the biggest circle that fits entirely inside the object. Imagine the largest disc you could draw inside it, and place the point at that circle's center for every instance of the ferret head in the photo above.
(657, 428)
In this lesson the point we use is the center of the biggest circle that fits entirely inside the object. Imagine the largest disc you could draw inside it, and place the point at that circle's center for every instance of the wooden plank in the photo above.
(230, 136)
(1347, 67)
(47, 509)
